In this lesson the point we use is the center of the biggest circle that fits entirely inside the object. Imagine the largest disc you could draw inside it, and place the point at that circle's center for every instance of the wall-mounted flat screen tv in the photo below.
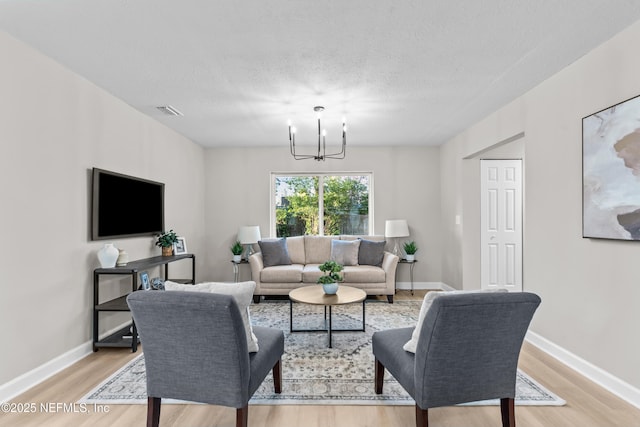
(125, 206)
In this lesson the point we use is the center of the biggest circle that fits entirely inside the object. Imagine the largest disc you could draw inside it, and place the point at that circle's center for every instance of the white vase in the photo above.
(237, 258)
(330, 288)
(108, 255)
(411, 258)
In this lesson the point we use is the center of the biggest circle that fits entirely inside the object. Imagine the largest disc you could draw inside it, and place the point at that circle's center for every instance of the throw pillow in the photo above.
(274, 252)
(242, 292)
(371, 253)
(345, 252)
(412, 344)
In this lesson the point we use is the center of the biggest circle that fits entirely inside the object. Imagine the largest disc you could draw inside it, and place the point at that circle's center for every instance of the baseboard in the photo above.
(599, 376)
(421, 286)
(34, 377)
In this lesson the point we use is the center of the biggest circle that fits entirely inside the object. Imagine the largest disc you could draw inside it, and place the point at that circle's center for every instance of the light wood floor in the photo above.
(587, 404)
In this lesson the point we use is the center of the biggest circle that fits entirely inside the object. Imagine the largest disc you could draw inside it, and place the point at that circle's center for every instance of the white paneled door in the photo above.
(501, 224)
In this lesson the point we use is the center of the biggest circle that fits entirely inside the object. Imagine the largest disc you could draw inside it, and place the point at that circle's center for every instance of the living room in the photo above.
(58, 125)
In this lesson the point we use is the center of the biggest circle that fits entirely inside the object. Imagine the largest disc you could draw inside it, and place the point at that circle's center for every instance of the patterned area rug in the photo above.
(312, 372)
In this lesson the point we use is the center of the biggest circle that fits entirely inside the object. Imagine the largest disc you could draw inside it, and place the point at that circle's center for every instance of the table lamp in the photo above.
(395, 228)
(249, 235)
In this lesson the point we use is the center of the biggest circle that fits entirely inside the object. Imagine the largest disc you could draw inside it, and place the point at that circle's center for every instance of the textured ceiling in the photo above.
(403, 72)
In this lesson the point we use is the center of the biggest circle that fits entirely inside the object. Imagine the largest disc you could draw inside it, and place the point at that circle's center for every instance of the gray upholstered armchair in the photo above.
(467, 350)
(195, 349)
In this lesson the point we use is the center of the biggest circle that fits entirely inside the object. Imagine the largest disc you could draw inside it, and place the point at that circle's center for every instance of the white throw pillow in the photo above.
(242, 292)
(412, 344)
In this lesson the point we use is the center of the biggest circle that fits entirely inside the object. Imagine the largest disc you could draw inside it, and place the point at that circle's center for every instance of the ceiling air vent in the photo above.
(169, 110)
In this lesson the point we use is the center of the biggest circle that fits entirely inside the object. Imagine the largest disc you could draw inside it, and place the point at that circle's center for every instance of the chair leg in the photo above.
(242, 416)
(379, 376)
(508, 412)
(390, 299)
(277, 377)
(153, 411)
(422, 417)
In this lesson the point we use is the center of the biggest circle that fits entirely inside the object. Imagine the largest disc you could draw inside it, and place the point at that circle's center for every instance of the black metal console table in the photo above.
(127, 336)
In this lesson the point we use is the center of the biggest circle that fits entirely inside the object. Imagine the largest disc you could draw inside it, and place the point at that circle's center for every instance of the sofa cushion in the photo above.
(274, 252)
(242, 292)
(371, 253)
(364, 274)
(317, 249)
(282, 273)
(345, 252)
(311, 273)
(295, 246)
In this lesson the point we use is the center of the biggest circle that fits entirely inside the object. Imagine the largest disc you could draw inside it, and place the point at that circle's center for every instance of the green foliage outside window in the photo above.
(346, 206)
(345, 200)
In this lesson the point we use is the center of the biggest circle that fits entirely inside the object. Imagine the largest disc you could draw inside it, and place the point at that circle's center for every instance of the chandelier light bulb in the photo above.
(293, 130)
(324, 132)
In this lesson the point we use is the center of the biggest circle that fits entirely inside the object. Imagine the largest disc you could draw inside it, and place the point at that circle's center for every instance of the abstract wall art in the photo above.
(611, 172)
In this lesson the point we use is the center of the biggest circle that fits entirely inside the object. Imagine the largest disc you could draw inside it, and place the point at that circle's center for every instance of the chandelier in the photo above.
(322, 145)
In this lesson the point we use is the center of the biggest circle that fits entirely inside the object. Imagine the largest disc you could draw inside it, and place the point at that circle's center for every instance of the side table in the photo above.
(236, 268)
(411, 264)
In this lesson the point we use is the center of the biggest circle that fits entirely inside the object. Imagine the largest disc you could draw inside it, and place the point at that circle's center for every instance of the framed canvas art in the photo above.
(611, 172)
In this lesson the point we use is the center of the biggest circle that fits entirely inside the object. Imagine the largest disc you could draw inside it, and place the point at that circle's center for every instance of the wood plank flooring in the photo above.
(588, 405)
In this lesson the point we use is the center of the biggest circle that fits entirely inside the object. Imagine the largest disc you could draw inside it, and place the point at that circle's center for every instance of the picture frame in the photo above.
(145, 284)
(611, 172)
(180, 247)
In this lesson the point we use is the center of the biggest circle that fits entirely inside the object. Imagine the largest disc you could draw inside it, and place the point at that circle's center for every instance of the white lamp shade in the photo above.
(396, 228)
(249, 234)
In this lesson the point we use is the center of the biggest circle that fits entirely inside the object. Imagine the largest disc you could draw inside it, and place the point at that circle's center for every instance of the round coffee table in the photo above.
(315, 295)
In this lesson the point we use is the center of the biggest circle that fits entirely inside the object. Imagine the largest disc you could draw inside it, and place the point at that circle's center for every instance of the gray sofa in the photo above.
(306, 253)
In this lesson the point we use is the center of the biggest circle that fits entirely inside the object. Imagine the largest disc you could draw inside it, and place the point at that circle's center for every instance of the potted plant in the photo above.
(166, 241)
(331, 277)
(410, 249)
(237, 250)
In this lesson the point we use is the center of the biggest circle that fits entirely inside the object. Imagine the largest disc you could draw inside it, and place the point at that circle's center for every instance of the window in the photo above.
(324, 204)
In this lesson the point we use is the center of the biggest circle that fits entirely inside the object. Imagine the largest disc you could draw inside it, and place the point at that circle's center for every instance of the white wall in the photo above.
(589, 288)
(406, 186)
(54, 127)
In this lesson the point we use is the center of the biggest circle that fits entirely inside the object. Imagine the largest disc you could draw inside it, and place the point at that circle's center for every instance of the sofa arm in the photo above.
(256, 264)
(389, 263)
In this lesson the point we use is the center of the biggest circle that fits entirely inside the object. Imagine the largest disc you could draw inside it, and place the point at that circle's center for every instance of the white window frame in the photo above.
(322, 175)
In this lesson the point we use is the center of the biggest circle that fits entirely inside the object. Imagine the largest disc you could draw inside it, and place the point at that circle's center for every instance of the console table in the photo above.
(127, 336)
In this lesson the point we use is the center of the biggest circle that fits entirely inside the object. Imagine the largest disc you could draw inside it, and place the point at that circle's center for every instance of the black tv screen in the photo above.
(125, 206)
